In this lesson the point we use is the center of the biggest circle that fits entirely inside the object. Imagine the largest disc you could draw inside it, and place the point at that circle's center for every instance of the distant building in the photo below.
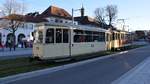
(24, 31)
(140, 34)
(56, 15)
(52, 14)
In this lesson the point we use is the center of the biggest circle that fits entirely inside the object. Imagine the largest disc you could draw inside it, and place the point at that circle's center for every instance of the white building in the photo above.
(24, 32)
(52, 14)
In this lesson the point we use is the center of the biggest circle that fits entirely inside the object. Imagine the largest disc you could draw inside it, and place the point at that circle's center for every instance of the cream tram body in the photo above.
(62, 41)
(117, 39)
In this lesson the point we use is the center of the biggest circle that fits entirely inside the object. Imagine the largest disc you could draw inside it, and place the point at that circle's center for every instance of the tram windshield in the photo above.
(39, 36)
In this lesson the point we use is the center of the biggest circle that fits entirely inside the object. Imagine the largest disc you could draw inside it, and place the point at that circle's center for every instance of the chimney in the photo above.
(82, 11)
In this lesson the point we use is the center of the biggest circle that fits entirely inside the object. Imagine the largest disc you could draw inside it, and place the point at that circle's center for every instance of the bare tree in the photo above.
(111, 13)
(100, 15)
(13, 17)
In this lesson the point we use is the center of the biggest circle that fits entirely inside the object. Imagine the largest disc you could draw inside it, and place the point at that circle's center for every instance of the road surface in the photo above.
(102, 71)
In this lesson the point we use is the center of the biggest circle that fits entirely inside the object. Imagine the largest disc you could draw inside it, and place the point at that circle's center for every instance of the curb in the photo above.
(131, 73)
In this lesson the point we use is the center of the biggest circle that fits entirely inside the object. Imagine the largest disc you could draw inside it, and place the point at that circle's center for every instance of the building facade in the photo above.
(52, 14)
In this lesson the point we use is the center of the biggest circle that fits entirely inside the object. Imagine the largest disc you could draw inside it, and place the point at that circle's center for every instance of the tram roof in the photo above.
(70, 26)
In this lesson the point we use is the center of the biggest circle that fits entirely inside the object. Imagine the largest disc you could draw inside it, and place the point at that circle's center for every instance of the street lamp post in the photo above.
(73, 10)
(70, 41)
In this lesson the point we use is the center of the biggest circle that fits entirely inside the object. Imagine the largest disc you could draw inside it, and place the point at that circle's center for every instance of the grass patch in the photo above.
(132, 47)
(22, 65)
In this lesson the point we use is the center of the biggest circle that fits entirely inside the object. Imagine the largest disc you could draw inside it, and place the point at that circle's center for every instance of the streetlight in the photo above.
(73, 10)
(70, 44)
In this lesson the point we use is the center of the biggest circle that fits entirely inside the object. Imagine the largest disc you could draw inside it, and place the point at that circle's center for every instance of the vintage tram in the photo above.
(53, 41)
(56, 41)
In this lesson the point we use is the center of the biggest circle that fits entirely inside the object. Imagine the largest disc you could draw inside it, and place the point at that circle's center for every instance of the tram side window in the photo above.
(58, 36)
(88, 36)
(79, 37)
(40, 37)
(113, 36)
(50, 36)
(119, 37)
(65, 36)
(76, 38)
(107, 37)
(95, 37)
(101, 36)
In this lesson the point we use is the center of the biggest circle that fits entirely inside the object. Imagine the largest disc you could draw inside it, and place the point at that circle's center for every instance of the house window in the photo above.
(61, 21)
(56, 20)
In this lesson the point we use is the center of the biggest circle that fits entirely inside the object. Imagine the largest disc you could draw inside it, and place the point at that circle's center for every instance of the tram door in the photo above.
(108, 41)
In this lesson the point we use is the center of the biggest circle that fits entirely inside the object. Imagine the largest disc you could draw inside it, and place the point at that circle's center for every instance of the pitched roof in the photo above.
(56, 12)
(25, 18)
(85, 20)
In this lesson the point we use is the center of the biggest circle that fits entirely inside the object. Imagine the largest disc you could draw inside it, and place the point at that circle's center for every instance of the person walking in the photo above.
(10, 44)
(3, 45)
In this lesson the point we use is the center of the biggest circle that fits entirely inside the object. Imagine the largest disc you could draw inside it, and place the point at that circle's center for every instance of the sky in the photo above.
(135, 12)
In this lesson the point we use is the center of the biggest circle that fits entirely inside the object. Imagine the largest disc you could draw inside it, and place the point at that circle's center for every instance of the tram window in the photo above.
(108, 37)
(65, 36)
(58, 36)
(88, 38)
(82, 38)
(96, 38)
(40, 36)
(113, 36)
(76, 38)
(101, 36)
(50, 36)
(79, 38)
(121, 36)
(118, 36)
